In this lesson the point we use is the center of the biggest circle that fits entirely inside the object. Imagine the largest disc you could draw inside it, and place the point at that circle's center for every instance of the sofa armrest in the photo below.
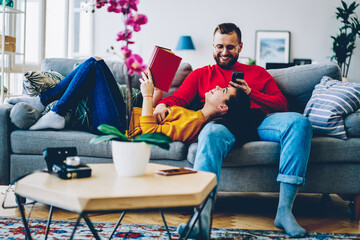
(5, 129)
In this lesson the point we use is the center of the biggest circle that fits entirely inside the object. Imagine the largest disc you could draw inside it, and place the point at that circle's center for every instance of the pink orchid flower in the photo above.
(135, 64)
(114, 7)
(100, 3)
(136, 20)
(126, 51)
(129, 4)
(122, 35)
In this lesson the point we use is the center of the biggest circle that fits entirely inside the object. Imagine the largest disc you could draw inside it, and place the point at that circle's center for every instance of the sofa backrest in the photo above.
(64, 66)
(297, 83)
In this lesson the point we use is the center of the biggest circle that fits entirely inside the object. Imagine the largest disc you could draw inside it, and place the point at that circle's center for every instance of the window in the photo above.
(52, 28)
(69, 31)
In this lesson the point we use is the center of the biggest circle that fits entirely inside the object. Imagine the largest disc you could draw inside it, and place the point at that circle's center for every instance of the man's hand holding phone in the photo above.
(237, 81)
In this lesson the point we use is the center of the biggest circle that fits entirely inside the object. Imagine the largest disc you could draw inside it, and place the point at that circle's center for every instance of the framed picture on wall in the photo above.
(272, 47)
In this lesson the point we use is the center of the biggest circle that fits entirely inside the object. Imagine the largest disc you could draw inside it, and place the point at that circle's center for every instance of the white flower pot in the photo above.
(130, 158)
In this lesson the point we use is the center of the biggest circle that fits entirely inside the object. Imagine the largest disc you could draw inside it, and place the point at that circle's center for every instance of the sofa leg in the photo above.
(354, 207)
(354, 204)
(357, 207)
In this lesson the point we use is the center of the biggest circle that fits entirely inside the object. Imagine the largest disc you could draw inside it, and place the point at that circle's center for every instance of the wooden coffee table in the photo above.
(105, 192)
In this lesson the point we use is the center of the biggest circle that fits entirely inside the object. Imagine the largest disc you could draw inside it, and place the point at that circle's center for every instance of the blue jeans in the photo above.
(92, 79)
(292, 130)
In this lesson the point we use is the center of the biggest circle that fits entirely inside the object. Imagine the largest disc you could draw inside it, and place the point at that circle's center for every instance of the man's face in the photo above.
(226, 49)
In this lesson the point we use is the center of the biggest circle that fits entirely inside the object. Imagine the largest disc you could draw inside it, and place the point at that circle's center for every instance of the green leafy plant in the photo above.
(251, 62)
(344, 42)
(112, 133)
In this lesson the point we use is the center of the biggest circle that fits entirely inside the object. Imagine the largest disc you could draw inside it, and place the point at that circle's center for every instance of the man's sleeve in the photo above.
(185, 93)
(270, 98)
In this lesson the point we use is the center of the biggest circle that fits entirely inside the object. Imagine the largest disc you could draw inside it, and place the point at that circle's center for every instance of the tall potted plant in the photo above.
(130, 156)
(344, 42)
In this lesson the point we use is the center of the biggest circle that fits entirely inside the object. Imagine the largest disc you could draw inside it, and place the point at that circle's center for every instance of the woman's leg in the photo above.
(39, 102)
(72, 88)
(107, 103)
(95, 79)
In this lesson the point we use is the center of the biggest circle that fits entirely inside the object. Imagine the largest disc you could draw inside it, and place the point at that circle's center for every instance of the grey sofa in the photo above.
(334, 165)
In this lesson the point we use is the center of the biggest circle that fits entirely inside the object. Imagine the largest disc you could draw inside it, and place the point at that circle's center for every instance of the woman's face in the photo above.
(218, 95)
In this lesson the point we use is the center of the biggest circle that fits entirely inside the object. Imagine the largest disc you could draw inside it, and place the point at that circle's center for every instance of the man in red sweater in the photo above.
(292, 130)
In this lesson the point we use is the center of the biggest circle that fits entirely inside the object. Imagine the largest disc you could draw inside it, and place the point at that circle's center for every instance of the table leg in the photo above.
(166, 226)
(75, 227)
(196, 216)
(118, 223)
(49, 221)
(91, 226)
(22, 213)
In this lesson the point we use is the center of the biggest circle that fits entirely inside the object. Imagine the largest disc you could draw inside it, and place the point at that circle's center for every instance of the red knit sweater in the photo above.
(265, 94)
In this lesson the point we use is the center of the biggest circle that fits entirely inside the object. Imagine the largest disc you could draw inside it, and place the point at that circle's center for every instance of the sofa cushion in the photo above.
(36, 82)
(352, 124)
(297, 83)
(323, 149)
(34, 142)
(330, 103)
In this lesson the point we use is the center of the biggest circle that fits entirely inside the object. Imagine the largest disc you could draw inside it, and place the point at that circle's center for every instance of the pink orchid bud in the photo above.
(126, 51)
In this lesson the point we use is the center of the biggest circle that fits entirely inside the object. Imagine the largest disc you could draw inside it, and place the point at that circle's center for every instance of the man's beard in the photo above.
(228, 64)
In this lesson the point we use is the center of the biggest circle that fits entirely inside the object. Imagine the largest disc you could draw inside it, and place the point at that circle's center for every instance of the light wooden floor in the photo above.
(232, 210)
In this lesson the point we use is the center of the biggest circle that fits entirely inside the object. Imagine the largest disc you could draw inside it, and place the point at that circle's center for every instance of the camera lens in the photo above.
(72, 161)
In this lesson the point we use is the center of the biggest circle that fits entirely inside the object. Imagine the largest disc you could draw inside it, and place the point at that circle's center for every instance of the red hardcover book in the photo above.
(163, 65)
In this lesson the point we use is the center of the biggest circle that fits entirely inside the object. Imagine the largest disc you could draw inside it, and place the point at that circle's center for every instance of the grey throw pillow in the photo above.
(352, 124)
(23, 115)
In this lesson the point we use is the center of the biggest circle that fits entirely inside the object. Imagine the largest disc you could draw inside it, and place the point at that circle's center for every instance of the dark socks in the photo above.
(284, 217)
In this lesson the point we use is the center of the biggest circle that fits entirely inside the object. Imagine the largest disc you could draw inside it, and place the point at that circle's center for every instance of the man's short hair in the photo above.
(227, 28)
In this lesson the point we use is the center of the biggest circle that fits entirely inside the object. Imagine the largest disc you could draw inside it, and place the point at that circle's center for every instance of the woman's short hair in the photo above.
(240, 119)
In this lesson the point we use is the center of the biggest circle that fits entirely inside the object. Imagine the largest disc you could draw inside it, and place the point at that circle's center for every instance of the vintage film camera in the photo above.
(64, 162)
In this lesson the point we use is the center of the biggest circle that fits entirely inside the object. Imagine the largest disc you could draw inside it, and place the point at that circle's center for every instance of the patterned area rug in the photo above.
(12, 228)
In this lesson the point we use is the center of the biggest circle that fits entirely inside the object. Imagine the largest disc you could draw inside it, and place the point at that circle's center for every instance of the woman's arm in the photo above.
(158, 95)
(147, 90)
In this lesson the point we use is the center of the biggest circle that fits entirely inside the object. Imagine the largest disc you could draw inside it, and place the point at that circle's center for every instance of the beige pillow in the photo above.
(36, 82)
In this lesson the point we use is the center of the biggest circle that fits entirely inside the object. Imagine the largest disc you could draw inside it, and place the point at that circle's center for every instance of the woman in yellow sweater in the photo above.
(94, 80)
(180, 124)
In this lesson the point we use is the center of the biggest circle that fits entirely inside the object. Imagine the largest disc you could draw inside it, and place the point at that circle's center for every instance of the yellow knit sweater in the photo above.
(180, 124)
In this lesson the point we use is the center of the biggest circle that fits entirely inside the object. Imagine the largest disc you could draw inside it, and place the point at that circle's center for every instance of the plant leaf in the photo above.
(107, 129)
(158, 139)
(103, 138)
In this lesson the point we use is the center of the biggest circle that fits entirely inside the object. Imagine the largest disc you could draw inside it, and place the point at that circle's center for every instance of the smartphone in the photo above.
(237, 75)
(175, 171)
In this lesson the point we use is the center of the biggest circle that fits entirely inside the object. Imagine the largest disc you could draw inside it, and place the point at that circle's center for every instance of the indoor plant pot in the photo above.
(131, 156)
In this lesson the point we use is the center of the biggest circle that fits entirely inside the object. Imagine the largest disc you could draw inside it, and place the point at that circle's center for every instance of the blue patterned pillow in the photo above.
(331, 102)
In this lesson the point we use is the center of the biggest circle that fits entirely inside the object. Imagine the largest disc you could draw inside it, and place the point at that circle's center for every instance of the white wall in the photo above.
(311, 23)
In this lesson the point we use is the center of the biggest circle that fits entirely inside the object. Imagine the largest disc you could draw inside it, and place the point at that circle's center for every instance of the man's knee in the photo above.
(97, 58)
(299, 124)
(215, 132)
